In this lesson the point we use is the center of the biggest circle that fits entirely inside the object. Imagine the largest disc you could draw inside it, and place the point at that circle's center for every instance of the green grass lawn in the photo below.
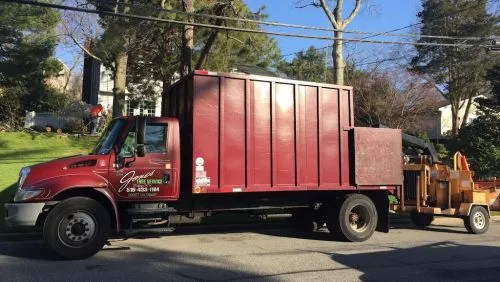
(19, 149)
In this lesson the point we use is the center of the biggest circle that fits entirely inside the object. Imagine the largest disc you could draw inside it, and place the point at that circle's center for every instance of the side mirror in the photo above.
(141, 128)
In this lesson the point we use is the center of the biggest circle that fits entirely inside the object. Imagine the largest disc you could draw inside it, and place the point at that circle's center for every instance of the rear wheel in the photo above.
(355, 220)
(478, 220)
(421, 219)
(77, 228)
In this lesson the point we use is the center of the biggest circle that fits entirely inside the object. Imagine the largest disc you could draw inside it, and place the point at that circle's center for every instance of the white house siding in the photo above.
(106, 95)
(442, 123)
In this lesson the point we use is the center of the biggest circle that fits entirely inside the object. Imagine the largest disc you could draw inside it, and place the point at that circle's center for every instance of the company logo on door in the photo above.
(130, 177)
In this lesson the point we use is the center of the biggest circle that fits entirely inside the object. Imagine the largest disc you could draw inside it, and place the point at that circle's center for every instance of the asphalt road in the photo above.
(443, 252)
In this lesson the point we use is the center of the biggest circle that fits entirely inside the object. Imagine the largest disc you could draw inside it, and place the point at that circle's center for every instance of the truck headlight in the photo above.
(23, 195)
(22, 176)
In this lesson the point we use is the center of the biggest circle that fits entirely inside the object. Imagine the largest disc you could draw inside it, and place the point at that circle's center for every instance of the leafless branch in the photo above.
(329, 14)
(70, 35)
(353, 13)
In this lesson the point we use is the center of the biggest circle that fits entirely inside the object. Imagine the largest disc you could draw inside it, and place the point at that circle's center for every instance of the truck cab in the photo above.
(135, 160)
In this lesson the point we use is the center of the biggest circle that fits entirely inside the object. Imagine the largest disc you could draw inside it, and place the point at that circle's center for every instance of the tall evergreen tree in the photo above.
(458, 71)
(158, 54)
(27, 43)
(308, 66)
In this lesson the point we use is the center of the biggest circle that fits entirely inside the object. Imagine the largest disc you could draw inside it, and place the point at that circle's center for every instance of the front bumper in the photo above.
(23, 214)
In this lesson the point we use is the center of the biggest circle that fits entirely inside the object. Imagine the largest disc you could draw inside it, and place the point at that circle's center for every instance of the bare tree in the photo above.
(396, 99)
(339, 24)
(77, 28)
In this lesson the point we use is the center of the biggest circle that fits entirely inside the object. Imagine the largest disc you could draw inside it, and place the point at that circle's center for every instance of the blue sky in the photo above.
(379, 16)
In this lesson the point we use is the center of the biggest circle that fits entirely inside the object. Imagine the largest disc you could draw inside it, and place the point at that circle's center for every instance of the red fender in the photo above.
(64, 183)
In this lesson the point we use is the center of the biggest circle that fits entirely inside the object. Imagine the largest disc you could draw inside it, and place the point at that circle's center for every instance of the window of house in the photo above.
(149, 109)
(145, 108)
(155, 138)
(130, 106)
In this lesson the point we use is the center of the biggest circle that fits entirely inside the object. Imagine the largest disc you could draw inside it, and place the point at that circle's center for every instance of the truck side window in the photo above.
(156, 138)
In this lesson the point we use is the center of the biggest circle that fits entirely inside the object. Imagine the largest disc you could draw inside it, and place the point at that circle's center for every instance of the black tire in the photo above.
(421, 219)
(478, 220)
(355, 220)
(77, 228)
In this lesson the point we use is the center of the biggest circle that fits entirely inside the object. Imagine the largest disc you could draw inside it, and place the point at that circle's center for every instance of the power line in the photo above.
(374, 62)
(296, 35)
(397, 29)
(307, 27)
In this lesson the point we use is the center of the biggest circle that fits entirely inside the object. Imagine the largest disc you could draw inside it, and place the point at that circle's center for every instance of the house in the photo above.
(439, 125)
(64, 82)
(133, 107)
(98, 89)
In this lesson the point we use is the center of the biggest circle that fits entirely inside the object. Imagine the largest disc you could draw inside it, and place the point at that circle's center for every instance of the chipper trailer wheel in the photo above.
(478, 220)
(421, 219)
(355, 220)
(77, 228)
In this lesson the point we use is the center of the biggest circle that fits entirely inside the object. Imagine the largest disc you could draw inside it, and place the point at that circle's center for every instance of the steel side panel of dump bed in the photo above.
(378, 156)
(253, 133)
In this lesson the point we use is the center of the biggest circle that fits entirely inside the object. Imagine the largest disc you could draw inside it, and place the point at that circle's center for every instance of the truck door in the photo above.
(151, 177)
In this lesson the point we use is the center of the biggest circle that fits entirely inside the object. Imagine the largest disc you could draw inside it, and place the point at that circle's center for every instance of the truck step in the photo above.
(161, 230)
(134, 220)
(150, 211)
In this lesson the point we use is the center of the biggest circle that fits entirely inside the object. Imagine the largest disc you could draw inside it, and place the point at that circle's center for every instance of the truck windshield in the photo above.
(108, 138)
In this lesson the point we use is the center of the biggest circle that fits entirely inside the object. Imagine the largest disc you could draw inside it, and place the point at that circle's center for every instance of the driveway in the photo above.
(271, 252)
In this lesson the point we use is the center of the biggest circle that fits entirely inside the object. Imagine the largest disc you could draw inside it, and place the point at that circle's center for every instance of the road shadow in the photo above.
(437, 262)
(446, 260)
(35, 250)
(138, 263)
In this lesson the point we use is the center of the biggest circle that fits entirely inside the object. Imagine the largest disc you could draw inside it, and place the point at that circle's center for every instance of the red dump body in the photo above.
(253, 133)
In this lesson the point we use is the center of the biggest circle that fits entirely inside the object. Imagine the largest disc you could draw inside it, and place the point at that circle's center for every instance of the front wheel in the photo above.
(355, 220)
(478, 220)
(77, 228)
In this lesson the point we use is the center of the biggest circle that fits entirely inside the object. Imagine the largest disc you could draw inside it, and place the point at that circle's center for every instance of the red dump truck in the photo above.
(227, 142)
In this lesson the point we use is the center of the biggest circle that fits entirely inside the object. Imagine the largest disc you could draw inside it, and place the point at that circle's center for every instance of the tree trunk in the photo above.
(467, 110)
(339, 64)
(455, 120)
(206, 49)
(187, 40)
(165, 107)
(220, 11)
(120, 75)
(120, 83)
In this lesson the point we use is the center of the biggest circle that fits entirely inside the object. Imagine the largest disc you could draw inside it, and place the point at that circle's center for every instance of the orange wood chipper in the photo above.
(432, 188)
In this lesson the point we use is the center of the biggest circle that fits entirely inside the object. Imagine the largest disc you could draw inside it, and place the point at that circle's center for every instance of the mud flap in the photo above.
(381, 201)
